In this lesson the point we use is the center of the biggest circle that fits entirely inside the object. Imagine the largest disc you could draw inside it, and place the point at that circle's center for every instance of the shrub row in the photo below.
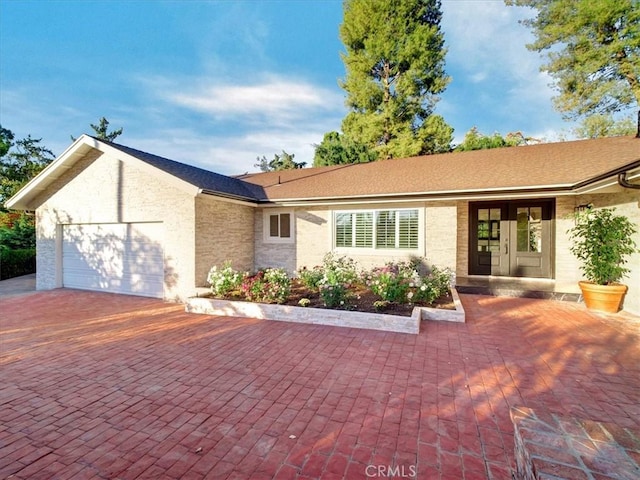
(14, 263)
(397, 282)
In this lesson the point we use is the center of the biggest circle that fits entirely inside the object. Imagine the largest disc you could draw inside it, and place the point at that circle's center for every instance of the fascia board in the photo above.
(20, 201)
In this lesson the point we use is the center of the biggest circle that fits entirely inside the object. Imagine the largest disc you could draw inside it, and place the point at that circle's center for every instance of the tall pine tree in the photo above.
(593, 53)
(394, 65)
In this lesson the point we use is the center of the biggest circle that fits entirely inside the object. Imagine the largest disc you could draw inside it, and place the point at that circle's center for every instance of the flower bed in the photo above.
(394, 297)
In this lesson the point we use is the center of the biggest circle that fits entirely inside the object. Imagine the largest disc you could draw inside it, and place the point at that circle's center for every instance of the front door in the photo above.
(511, 238)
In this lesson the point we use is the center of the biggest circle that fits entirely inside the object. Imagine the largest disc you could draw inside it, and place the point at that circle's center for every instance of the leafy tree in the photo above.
(101, 131)
(6, 141)
(604, 125)
(593, 52)
(474, 140)
(17, 231)
(337, 149)
(22, 161)
(394, 65)
(279, 162)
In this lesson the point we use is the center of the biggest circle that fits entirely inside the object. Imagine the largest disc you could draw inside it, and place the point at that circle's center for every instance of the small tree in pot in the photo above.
(602, 243)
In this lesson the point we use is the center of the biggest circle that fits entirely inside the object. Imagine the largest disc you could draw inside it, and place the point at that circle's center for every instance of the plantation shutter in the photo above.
(364, 229)
(408, 229)
(344, 230)
(386, 229)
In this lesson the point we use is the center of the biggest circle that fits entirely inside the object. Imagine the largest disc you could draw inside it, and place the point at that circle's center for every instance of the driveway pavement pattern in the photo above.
(102, 386)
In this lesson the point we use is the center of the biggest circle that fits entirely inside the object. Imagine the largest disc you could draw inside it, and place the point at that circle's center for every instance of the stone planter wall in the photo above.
(323, 316)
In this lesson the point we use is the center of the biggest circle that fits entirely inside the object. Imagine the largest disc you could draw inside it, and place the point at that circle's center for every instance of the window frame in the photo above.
(266, 226)
(373, 248)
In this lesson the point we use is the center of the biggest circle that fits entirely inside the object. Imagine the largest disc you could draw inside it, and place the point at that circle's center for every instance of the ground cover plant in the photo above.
(339, 283)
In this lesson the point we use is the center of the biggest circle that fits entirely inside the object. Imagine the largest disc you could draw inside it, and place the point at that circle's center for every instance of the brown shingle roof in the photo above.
(536, 167)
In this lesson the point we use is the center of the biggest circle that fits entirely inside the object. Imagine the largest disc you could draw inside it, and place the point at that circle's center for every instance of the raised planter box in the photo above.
(325, 316)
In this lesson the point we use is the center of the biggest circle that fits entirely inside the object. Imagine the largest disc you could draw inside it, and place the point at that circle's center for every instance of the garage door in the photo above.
(119, 257)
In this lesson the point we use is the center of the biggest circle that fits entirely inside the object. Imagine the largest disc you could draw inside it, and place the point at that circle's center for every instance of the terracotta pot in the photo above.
(605, 298)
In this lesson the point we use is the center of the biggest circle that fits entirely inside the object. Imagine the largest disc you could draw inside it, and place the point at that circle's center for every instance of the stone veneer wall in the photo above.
(103, 189)
(224, 231)
(276, 255)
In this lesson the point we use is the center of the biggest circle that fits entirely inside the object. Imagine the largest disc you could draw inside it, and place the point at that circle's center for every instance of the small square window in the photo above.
(278, 227)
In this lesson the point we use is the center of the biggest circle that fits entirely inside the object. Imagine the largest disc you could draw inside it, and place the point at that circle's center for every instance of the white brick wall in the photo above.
(274, 255)
(626, 202)
(224, 231)
(314, 238)
(106, 190)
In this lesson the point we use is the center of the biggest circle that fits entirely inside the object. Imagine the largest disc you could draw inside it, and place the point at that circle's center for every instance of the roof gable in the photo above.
(206, 180)
(189, 178)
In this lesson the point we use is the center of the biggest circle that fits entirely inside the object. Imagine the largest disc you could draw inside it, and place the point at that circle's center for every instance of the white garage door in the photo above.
(114, 257)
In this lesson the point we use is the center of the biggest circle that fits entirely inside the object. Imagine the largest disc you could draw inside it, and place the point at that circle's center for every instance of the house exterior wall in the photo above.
(314, 238)
(626, 202)
(103, 189)
(274, 255)
(462, 231)
(224, 232)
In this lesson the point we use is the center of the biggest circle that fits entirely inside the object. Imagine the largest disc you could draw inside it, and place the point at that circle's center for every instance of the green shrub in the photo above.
(401, 282)
(338, 269)
(338, 275)
(311, 278)
(225, 280)
(432, 286)
(271, 285)
(14, 263)
(335, 295)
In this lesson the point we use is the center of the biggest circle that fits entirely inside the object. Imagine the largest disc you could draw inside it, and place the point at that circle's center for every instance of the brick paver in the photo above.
(106, 386)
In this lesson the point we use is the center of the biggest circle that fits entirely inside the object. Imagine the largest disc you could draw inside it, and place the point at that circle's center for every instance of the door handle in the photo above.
(506, 247)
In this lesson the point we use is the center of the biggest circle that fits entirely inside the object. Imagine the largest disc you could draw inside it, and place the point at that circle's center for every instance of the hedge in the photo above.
(14, 263)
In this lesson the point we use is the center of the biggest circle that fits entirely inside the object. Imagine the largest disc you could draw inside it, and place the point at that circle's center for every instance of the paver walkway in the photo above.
(106, 386)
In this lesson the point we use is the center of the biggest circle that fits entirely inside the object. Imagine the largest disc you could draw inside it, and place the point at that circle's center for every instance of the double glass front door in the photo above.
(511, 238)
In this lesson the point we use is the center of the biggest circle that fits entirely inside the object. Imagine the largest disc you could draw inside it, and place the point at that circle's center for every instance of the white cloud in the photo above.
(274, 98)
(224, 125)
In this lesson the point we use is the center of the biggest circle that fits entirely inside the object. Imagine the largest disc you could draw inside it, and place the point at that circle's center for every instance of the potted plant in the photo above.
(602, 243)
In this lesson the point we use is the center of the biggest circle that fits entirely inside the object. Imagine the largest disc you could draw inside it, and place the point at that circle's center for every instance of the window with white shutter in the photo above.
(377, 229)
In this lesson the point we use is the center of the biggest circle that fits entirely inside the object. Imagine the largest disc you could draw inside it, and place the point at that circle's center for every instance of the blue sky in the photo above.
(218, 83)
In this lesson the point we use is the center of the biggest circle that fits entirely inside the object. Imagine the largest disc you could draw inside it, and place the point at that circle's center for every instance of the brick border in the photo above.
(323, 316)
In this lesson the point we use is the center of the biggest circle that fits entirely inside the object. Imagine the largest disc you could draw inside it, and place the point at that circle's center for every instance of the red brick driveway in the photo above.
(106, 386)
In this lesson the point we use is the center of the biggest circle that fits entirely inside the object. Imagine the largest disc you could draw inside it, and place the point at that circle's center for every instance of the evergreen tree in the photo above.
(474, 140)
(604, 125)
(279, 162)
(101, 131)
(593, 52)
(336, 149)
(394, 65)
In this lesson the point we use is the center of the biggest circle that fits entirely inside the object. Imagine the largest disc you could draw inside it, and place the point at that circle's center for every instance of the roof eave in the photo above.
(523, 192)
(20, 201)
